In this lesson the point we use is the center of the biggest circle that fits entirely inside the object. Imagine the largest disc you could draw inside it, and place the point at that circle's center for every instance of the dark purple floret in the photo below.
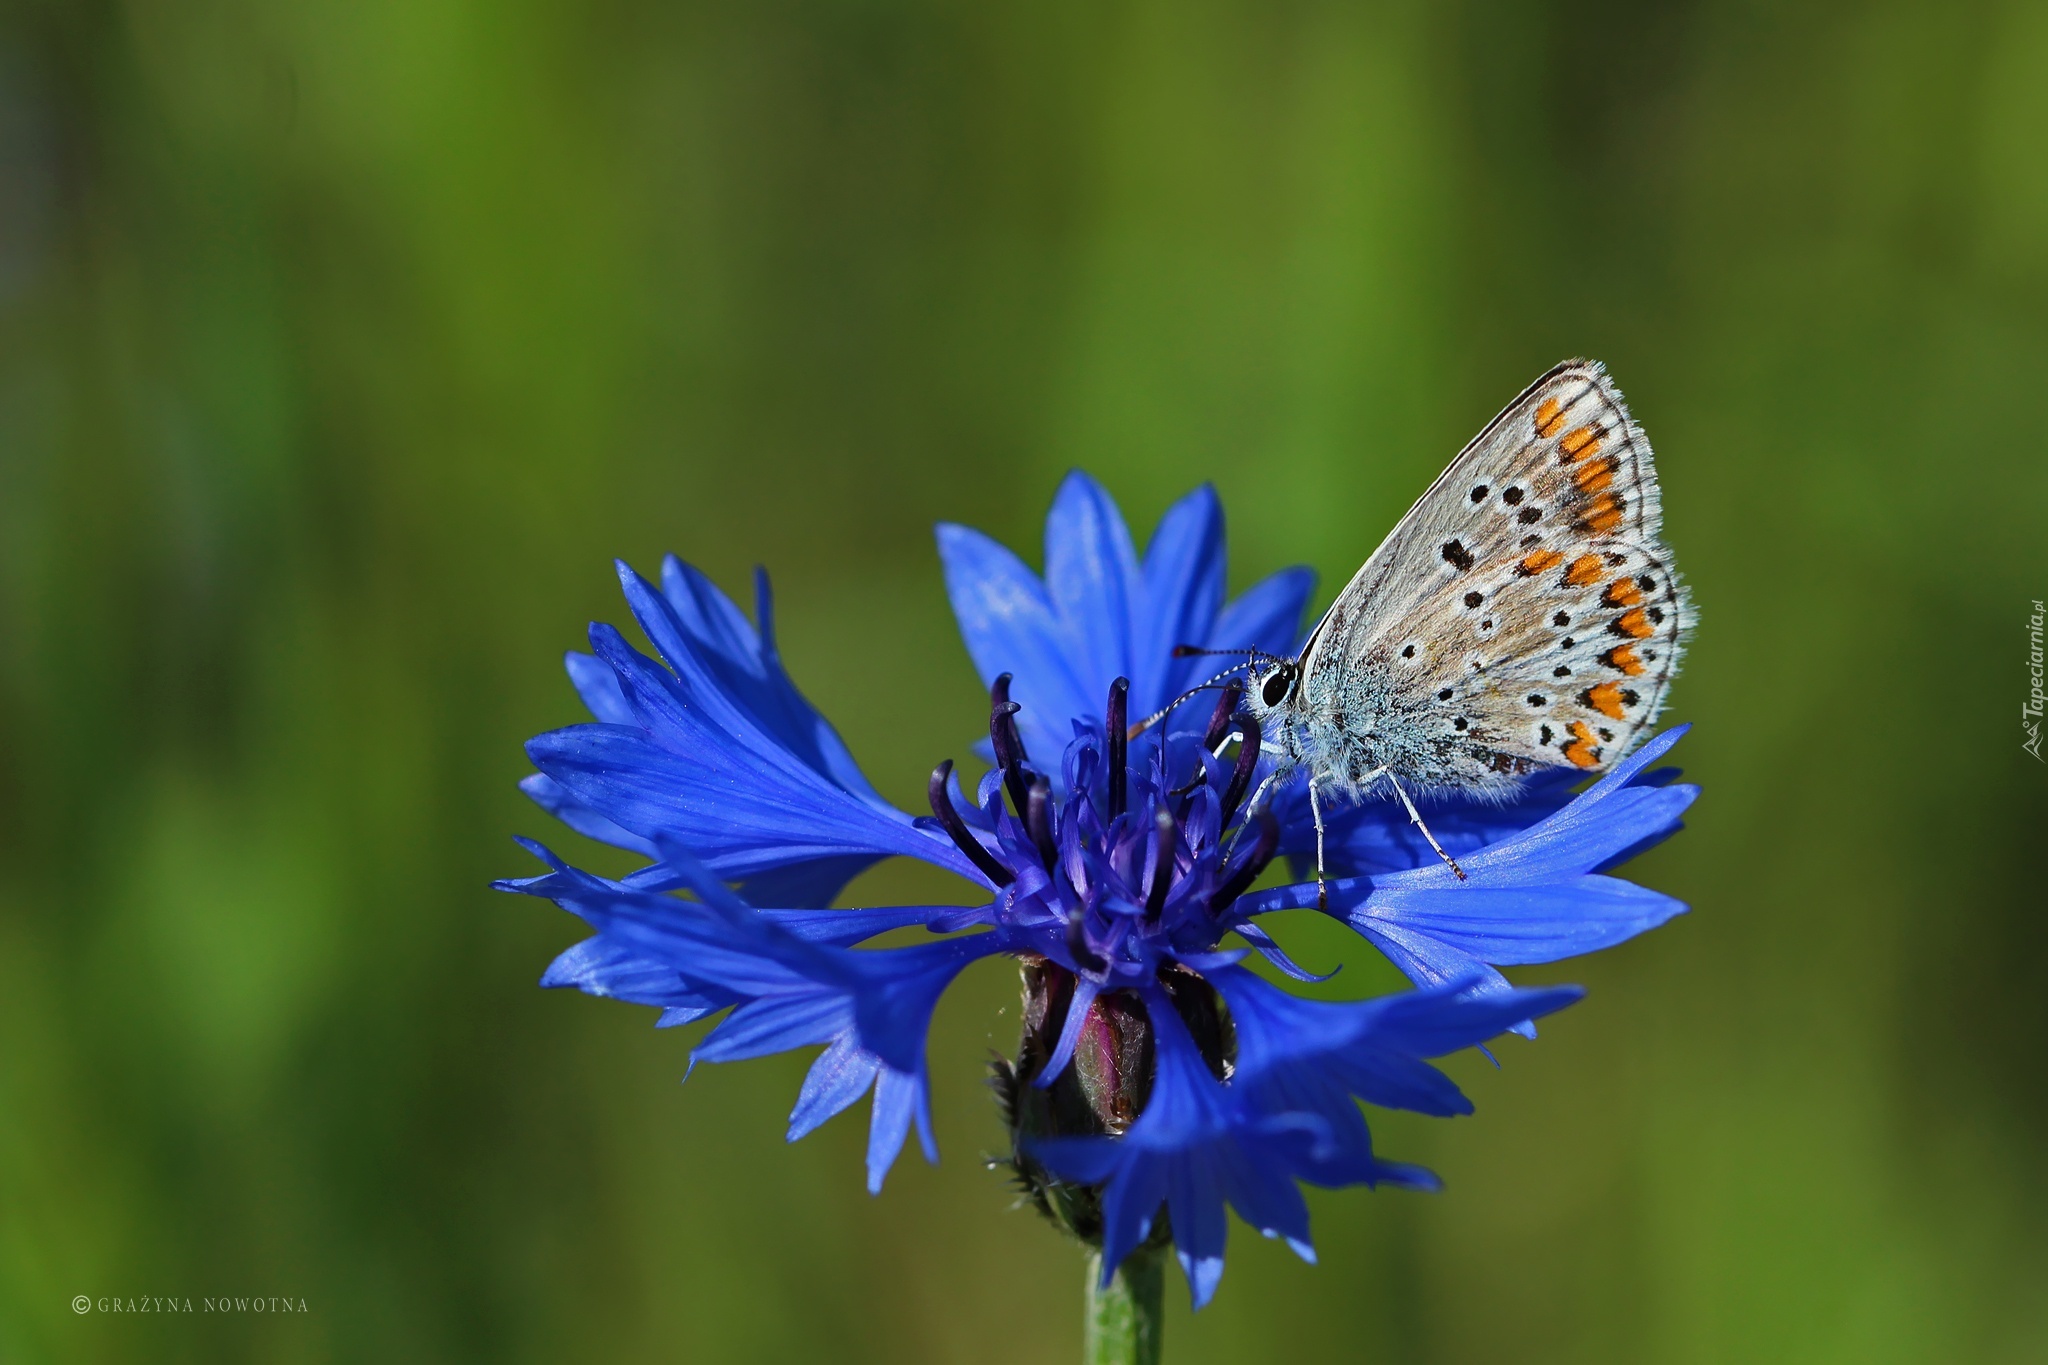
(956, 828)
(1162, 863)
(1219, 719)
(1253, 863)
(1247, 764)
(1119, 745)
(1038, 818)
(1007, 742)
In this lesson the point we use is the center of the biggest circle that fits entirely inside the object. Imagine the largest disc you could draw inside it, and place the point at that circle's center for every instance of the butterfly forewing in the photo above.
(1523, 614)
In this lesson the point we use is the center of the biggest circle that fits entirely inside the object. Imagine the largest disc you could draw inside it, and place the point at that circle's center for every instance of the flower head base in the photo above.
(1158, 1080)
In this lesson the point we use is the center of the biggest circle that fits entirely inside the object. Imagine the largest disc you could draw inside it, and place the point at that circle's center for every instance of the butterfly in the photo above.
(1523, 615)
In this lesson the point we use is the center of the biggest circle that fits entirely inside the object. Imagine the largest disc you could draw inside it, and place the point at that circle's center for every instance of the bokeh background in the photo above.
(342, 346)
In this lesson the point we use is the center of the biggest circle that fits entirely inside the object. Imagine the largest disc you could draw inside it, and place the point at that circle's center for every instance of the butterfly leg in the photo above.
(1251, 808)
(1316, 809)
(1415, 818)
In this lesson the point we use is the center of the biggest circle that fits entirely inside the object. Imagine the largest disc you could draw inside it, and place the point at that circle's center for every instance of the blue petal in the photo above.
(746, 664)
(1427, 961)
(1273, 953)
(777, 1023)
(1588, 833)
(1312, 1055)
(603, 967)
(706, 944)
(1183, 588)
(746, 816)
(890, 992)
(813, 882)
(1508, 926)
(599, 688)
(1078, 1006)
(1617, 817)
(895, 989)
(1009, 626)
(1530, 897)
(899, 1097)
(1266, 615)
(1135, 1191)
(1094, 584)
(840, 1076)
(789, 986)
(1375, 836)
(844, 928)
(719, 748)
(1100, 613)
(555, 799)
(1433, 1024)
(797, 884)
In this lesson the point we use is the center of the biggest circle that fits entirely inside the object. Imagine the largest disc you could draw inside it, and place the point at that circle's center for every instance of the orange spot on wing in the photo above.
(1582, 751)
(1581, 444)
(1603, 514)
(1622, 592)
(1549, 417)
(1585, 569)
(1624, 658)
(1595, 475)
(1633, 623)
(1606, 699)
(1536, 561)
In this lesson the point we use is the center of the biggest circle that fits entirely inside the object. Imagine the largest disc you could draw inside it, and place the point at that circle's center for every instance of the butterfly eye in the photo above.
(1279, 683)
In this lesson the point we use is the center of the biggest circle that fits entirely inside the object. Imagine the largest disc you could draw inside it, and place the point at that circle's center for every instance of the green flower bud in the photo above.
(1103, 1088)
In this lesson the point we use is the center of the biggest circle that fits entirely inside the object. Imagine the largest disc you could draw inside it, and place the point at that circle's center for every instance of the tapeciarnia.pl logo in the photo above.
(2030, 713)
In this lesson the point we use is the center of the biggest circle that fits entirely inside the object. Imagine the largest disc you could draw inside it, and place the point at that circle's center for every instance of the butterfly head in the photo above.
(1276, 684)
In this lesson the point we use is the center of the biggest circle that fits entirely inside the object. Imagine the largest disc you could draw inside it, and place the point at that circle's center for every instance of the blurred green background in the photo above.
(342, 345)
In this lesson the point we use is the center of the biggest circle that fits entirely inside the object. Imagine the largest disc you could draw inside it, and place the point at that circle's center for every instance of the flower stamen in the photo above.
(1038, 819)
(956, 828)
(1008, 743)
(1219, 719)
(1241, 878)
(1247, 763)
(1119, 746)
(1162, 863)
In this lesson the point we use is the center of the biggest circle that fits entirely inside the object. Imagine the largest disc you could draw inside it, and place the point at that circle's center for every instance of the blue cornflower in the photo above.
(1156, 1074)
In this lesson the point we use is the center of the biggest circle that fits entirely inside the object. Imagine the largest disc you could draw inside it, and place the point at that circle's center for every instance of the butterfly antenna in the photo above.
(1254, 656)
(1142, 726)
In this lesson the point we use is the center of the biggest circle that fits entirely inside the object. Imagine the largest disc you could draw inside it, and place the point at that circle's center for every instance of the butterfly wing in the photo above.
(1523, 614)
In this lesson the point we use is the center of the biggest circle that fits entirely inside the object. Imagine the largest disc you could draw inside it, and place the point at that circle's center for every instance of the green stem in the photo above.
(1123, 1320)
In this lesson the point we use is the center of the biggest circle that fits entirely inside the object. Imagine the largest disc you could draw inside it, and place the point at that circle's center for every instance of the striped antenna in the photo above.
(1183, 652)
